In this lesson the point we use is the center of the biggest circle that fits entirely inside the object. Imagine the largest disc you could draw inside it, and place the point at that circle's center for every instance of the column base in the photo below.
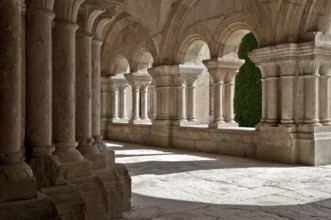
(68, 200)
(40, 208)
(48, 172)
(78, 169)
(95, 196)
(98, 161)
(12, 178)
(114, 189)
(126, 186)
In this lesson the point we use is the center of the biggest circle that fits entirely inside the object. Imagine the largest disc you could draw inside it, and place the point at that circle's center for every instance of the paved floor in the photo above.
(176, 184)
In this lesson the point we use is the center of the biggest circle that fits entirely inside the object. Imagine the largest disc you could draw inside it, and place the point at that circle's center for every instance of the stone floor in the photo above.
(176, 184)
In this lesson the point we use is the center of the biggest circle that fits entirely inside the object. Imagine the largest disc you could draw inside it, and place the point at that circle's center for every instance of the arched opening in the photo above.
(143, 62)
(248, 86)
(195, 52)
(121, 67)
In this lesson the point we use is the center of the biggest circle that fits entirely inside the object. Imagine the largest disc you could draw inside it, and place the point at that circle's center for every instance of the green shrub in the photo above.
(248, 87)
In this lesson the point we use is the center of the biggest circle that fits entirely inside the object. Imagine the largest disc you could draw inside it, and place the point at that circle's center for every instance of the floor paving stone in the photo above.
(177, 184)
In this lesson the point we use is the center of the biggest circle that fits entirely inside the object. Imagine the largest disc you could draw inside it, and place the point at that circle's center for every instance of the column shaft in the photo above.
(264, 100)
(311, 99)
(218, 102)
(144, 102)
(96, 88)
(84, 91)
(114, 96)
(324, 100)
(123, 102)
(181, 103)
(191, 102)
(272, 103)
(287, 99)
(14, 172)
(64, 91)
(135, 102)
(228, 102)
(39, 81)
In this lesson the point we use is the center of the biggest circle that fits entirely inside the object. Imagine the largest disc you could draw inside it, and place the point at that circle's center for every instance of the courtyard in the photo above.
(178, 184)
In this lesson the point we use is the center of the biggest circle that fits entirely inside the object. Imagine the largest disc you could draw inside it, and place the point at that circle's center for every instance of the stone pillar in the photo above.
(272, 100)
(152, 101)
(219, 68)
(135, 102)
(228, 109)
(288, 71)
(114, 102)
(96, 88)
(39, 95)
(324, 99)
(122, 102)
(191, 117)
(84, 94)
(14, 172)
(180, 100)
(64, 76)
(264, 100)
(139, 84)
(144, 102)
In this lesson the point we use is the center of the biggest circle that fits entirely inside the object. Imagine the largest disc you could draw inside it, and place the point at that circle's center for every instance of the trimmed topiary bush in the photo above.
(248, 87)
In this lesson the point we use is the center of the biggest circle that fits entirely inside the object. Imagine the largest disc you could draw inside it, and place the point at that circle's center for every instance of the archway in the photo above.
(194, 52)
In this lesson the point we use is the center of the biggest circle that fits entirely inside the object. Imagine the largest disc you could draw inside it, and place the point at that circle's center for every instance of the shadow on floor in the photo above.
(158, 208)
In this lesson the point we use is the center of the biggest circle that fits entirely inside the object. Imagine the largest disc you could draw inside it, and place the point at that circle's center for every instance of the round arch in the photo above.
(231, 30)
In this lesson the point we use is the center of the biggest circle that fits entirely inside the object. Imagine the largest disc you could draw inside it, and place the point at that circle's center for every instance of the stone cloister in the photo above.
(154, 72)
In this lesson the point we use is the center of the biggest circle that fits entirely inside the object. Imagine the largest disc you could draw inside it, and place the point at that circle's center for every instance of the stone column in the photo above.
(139, 85)
(114, 102)
(14, 172)
(96, 88)
(191, 99)
(152, 101)
(228, 98)
(64, 76)
(324, 99)
(180, 100)
(264, 100)
(310, 70)
(273, 113)
(218, 69)
(144, 102)
(39, 95)
(135, 102)
(122, 102)
(84, 94)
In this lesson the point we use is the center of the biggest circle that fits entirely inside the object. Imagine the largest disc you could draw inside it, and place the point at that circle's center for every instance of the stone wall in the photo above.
(230, 141)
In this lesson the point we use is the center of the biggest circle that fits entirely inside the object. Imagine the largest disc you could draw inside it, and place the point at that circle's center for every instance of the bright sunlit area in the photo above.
(178, 184)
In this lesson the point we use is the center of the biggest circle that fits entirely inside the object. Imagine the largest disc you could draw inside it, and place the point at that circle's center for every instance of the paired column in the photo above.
(118, 99)
(64, 97)
(175, 90)
(139, 85)
(223, 72)
(14, 172)
(39, 95)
